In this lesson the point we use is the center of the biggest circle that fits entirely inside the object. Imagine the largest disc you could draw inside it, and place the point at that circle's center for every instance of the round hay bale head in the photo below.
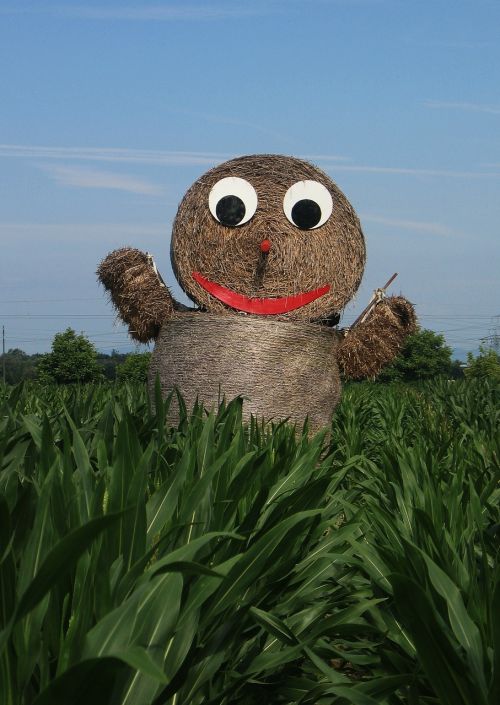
(282, 369)
(299, 259)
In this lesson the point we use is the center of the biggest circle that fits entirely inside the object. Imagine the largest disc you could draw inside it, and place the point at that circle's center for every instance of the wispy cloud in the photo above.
(144, 13)
(414, 225)
(91, 178)
(326, 158)
(207, 159)
(111, 154)
(467, 107)
(101, 232)
(140, 156)
(410, 171)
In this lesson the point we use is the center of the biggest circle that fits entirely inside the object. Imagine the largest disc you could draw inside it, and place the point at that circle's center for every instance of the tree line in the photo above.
(74, 359)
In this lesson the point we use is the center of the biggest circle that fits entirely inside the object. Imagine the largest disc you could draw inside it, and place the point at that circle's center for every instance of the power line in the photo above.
(48, 301)
(82, 316)
(57, 315)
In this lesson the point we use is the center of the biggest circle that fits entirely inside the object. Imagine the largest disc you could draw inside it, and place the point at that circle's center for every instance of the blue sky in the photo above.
(110, 110)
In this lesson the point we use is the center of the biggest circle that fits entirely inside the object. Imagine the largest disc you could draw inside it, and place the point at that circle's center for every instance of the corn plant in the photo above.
(230, 564)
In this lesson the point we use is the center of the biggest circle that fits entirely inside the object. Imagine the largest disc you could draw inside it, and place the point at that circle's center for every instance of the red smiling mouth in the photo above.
(263, 307)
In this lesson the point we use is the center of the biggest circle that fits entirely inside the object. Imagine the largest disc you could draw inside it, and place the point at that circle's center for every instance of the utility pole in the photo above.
(3, 353)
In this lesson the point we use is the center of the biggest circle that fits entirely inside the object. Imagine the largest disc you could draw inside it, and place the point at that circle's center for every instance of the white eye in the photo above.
(308, 204)
(232, 201)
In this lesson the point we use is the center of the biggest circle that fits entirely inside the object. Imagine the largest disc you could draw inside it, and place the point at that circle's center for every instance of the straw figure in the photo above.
(271, 251)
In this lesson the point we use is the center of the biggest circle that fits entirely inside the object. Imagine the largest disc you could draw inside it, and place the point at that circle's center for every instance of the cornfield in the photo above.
(225, 564)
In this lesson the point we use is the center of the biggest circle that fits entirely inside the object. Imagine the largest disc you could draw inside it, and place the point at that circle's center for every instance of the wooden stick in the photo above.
(373, 301)
(155, 269)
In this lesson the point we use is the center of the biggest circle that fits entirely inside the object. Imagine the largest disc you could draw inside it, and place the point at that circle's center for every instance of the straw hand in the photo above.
(373, 342)
(137, 291)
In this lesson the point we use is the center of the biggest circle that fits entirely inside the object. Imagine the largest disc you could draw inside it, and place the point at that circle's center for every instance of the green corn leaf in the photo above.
(162, 504)
(90, 681)
(190, 551)
(464, 629)
(205, 587)
(84, 473)
(269, 660)
(302, 469)
(348, 615)
(179, 648)
(384, 686)
(147, 619)
(331, 674)
(141, 661)
(445, 670)
(188, 568)
(494, 691)
(135, 526)
(274, 626)
(41, 536)
(201, 487)
(5, 529)
(260, 554)
(32, 425)
(209, 661)
(148, 616)
(353, 695)
(205, 445)
(60, 559)
(192, 596)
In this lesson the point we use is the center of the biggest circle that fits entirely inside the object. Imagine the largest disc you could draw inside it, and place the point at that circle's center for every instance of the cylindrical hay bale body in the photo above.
(282, 369)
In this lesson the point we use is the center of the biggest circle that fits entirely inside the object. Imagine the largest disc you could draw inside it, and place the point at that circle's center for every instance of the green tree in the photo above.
(485, 366)
(457, 370)
(135, 368)
(108, 363)
(73, 359)
(424, 355)
(18, 365)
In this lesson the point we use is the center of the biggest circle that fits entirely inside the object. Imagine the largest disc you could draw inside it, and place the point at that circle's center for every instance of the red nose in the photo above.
(265, 246)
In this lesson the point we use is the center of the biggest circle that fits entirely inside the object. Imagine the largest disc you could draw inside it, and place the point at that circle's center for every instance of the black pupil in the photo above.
(230, 210)
(306, 214)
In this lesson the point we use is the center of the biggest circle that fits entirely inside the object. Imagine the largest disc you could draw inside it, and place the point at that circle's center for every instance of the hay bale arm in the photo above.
(374, 342)
(137, 292)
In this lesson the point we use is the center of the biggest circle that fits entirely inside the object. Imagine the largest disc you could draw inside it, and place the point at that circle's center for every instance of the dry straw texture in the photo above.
(371, 345)
(299, 260)
(141, 299)
(284, 370)
(286, 366)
